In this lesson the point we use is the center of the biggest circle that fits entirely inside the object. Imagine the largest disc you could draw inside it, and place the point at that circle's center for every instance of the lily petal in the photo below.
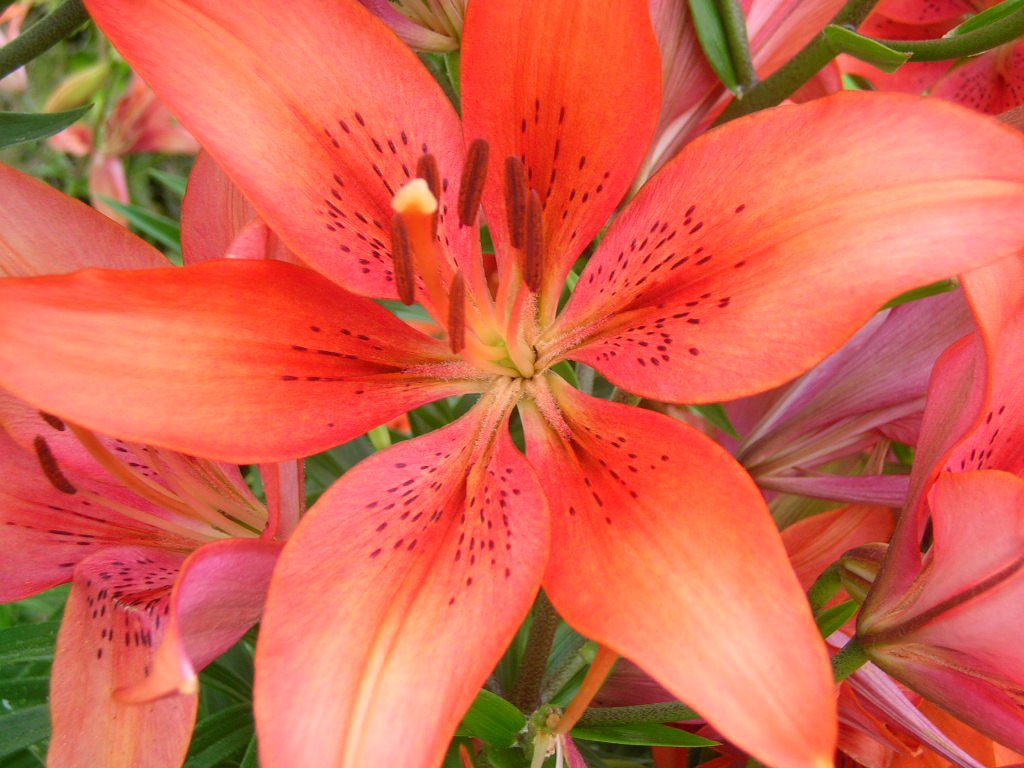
(218, 596)
(541, 82)
(116, 612)
(698, 290)
(32, 245)
(639, 500)
(413, 551)
(186, 349)
(332, 130)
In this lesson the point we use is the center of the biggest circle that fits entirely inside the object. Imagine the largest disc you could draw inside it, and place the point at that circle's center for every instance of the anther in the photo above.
(457, 313)
(401, 255)
(515, 200)
(474, 174)
(426, 169)
(50, 467)
(53, 421)
(534, 247)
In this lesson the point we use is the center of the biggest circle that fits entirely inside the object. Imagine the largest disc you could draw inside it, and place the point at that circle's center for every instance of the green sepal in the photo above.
(19, 127)
(710, 28)
(845, 40)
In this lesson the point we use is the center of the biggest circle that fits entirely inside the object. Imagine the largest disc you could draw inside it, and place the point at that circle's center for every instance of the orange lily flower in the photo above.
(402, 588)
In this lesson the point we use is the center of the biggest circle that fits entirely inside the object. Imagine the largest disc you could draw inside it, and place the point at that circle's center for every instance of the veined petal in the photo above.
(577, 103)
(330, 130)
(638, 501)
(817, 542)
(33, 245)
(914, 12)
(395, 598)
(171, 357)
(217, 598)
(116, 613)
(709, 285)
(989, 83)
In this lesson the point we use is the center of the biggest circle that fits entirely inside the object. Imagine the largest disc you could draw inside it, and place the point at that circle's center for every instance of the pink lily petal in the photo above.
(882, 490)
(414, 35)
(312, 367)
(754, 662)
(116, 613)
(445, 531)
(708, 289)
(107, 181)
(216, 599)
(992, 82)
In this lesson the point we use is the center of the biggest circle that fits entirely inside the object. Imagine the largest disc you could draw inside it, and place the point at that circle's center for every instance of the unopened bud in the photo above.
(78, 88)
(859, 567)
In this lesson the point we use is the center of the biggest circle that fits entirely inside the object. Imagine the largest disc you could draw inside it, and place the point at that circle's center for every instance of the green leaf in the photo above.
(23, 728)
(172, 181)
(221, 735)
(994, 14)
(27, 689)
(943, 286)
(905, 453)
(833, 618)
(19, 127)
(645, 734)
(28, 642)
(251, 757)
(492, 720)
(711, 34)
(844, 40)
(715, 413)
(161, 229)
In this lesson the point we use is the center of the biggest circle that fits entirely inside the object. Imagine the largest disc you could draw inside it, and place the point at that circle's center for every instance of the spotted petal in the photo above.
(335, 112)
(396, 597)
(169, 357)
(664, 551)
(710, 285)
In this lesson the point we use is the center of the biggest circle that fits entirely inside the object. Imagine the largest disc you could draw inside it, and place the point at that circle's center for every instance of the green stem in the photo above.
(526, 691)
(851, 658)
(43, 35)
(739, 44)
(669, 712)
(798, 70)
(969, 44)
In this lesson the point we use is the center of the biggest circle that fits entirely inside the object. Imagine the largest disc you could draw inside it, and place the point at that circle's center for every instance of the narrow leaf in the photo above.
(28, 642)
(990, 16)
(162, 229)
(19, 127)
(172, 181)
(23, 728)
(833, 618)
(492, 720)
(647, 734)
(715, 413)
(845, 40)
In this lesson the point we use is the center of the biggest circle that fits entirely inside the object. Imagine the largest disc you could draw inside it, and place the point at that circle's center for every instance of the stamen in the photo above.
(515, 200)
(53, 421)
(50, 467)
(474, 174)
(457, 313)
(426, 169)
(401, 255)
(534, 249)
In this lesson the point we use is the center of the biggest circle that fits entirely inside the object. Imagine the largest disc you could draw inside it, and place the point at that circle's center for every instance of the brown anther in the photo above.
(401, 255)
(426, 169)
(533, 267)
(50, 467)
(457, 313)
(515, 200)
(53, 421)
(474, 174)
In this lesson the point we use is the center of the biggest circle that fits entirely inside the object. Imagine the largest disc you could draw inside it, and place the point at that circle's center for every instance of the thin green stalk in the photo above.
(735, 23)
(43, 35)
(851, 658)
(526, 691)
(801, 68)
(668, 712)
(960, 46)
